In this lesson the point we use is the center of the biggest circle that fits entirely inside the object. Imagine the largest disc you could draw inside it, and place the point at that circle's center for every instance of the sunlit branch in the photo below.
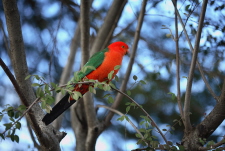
(121, 114)
(153, 122)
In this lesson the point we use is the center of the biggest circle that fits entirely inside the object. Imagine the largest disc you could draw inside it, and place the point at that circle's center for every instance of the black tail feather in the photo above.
(58, 109)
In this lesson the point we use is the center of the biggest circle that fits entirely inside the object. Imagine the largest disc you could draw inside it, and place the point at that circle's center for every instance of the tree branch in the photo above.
(178, 66)
(153, 122)
(192, 68)
(110, 22)
(198, 64)
(214, 146)
(129, 68)
(91, 119)
(121, 114)
(193, 64)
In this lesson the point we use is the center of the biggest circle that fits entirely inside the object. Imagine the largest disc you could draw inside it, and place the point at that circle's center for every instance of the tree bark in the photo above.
(48, 138)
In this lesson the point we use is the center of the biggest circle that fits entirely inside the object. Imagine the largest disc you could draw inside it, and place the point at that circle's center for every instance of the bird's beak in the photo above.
(127, 52)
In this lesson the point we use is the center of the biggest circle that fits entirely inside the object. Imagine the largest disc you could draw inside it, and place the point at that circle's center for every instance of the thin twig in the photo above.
(153, 122)
(121, 114)
(198, 64)
(178, 66)
(37, 99)
(214, 146)
(192, 67)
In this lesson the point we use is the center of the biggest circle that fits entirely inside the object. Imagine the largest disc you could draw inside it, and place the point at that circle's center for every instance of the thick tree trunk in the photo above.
(48, 138)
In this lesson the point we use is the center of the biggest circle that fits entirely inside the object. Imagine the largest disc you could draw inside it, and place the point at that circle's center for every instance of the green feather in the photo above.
(93, 63)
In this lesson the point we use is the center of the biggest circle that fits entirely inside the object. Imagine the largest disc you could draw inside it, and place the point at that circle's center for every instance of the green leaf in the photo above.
(127, 103)
(43, 104)
(106, 87)
(112, 85)
(126, 117)
(185, 77)
(18, 125)
(110, 100)
(49, 99)
(40, 93)
(146, 135)
(128, 92)
(63, 91)
(16, 138)
(48, 108)
(2, 136)
(168, 35)
(135, 77)
(138, 135)
(47, 89)
(10, 108)
(133, 104)
(35, 84)
(127, 109)
(11, 119)
(1, 116)
(92, 90)
(142, 122)
(21, 108)
(10, 113)
(187, 7)
(53, 85)
(17, 115)
(37, 77)
(142, 82)
(181, 148)
(142, 130)
(117, 67)
(107, 95)
(173, 95)
(27, 77)
(13, 131)
(58, 89)
(12, 138)
(110, 75)
(76, 95)
(121, 118)
(116, 78)
(140, 141)
(7, 126)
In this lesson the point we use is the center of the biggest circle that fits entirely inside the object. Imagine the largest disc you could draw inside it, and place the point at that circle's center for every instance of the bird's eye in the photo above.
(122, 46)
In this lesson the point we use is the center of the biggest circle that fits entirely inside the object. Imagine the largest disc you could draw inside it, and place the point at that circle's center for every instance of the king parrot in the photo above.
(104, 62)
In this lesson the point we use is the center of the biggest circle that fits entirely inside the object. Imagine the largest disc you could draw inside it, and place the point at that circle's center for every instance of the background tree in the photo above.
(177, 49)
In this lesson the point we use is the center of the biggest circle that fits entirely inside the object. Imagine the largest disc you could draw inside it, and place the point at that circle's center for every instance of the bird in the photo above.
(104, 62)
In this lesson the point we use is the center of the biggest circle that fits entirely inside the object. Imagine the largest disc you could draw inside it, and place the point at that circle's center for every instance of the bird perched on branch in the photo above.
(103, 63)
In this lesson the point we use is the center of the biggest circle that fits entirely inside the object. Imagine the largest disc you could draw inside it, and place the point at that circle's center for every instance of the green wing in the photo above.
(93, 63)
